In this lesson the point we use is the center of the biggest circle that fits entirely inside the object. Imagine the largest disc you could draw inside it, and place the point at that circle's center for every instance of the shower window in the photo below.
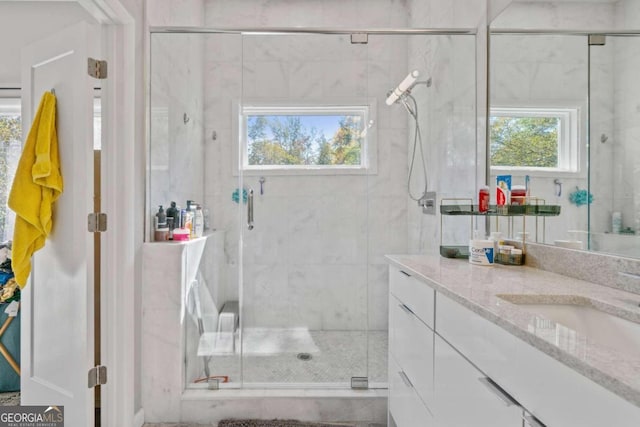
(535, 139)
(298, 138)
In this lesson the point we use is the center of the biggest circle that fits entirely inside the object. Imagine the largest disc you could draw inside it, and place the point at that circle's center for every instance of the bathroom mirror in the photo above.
(564, 106)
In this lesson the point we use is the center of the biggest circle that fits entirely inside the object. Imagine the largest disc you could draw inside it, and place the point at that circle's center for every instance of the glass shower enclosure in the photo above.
(285, 140)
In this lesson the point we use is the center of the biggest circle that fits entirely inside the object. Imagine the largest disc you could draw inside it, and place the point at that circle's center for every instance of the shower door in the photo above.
(304, 158)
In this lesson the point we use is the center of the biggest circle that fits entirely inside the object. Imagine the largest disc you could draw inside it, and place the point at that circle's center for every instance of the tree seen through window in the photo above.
(299, 140)
(10, 149)
(524, 141)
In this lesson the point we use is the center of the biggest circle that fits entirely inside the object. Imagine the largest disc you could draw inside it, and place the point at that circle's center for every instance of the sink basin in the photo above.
(597, 326)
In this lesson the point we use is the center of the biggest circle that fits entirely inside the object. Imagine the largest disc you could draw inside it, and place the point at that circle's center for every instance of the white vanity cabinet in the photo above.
(450, 366)
(555, 393)
(430, 383)
(411, 316)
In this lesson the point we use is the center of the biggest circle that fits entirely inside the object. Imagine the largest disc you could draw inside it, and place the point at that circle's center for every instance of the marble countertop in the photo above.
(479, 288)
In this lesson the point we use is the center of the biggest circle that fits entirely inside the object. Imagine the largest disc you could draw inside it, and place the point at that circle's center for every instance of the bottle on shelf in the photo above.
(173, 212)
(161, 230)
(198, 222)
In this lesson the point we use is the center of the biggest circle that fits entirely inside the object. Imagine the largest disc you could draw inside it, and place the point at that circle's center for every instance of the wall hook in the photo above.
(185, 118)
(262, 180)
(558, 185)
(604, 138)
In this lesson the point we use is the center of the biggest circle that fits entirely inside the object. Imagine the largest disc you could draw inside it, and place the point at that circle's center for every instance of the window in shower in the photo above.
(537, 139)
(305, 138)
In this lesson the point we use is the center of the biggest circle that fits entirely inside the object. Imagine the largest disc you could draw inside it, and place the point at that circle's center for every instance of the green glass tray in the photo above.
(507, 210)
(454, 251)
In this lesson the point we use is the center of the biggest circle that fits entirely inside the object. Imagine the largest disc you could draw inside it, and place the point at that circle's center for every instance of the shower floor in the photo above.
(271, 356)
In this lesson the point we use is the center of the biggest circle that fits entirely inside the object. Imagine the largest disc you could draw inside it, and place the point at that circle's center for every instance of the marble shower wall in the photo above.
(177, 150)
(447, 117)
(315, 257)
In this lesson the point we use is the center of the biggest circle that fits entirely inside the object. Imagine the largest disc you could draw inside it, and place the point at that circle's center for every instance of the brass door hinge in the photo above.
(97, 376)
(97, 222)
(97, 68)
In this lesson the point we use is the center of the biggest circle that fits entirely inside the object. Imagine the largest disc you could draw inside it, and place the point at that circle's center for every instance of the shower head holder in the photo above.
(403, 90)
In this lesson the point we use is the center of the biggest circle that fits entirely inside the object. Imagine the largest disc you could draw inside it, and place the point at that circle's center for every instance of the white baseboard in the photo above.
(138, 418)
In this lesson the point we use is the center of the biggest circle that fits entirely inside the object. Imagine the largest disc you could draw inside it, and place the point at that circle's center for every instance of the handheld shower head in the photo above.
(404, 85)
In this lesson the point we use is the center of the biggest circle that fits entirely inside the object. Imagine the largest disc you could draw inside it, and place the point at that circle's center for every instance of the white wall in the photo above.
(22, 23)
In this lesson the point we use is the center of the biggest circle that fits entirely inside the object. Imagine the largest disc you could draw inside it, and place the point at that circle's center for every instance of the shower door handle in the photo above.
(250, 210)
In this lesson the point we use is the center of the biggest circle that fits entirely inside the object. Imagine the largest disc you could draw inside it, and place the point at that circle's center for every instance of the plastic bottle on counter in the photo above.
(481, 251)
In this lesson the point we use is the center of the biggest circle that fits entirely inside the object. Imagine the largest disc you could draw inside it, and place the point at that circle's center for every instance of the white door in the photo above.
(57, 310)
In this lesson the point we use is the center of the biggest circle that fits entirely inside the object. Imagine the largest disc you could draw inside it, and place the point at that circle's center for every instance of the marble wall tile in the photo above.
(451, 172)
(176, 12)
(372, 409)
(567, 15)
(332, 297)
(177, 120)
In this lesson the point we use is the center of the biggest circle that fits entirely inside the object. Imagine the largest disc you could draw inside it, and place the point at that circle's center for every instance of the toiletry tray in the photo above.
(454, 251)
(506, 210)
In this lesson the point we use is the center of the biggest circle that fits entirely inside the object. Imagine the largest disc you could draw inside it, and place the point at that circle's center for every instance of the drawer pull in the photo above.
(405, 379)
(533, 421)
(406, 309)
(405, 273)
(498, 391)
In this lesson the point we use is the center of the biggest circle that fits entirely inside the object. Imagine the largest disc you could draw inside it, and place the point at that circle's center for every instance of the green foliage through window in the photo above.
(304, 140)
(10, 149)
(525, 141)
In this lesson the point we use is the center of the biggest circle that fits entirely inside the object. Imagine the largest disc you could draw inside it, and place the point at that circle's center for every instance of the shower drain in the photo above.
(304, 356)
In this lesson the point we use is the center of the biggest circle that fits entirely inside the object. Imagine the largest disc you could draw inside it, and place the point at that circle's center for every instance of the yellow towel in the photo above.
(37, 184)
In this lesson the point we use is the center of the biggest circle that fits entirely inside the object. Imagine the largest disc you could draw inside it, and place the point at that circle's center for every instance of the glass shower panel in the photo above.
(305, 151)
(614, 177)
(445, 107)
(195, 80)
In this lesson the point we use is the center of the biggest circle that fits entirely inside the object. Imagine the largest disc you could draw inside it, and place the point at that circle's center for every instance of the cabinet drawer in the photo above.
(465, 397)
(555, 393)
(405, 405)
(489, 346)
(417, 295)
(411, 344)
